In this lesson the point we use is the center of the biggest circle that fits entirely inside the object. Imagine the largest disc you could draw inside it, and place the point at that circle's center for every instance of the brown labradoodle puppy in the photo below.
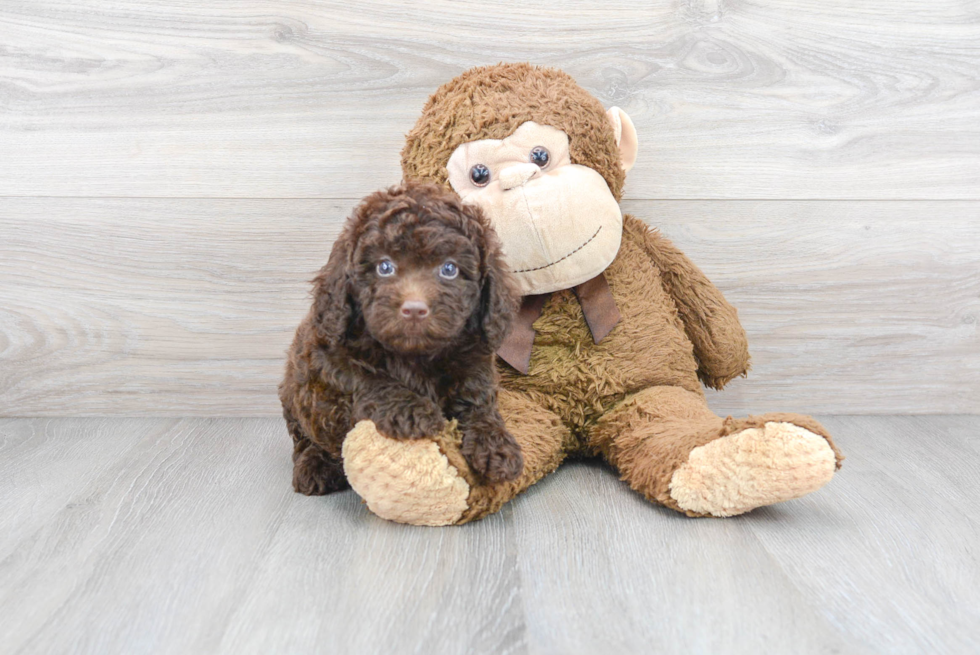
(406, 316)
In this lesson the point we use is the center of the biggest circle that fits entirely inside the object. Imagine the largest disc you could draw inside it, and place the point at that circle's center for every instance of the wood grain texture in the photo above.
(296, 98)
(357, 584)
(635, 578)
(185, 307)
(193, 542)
(47, 463)
(166, 540)
(897, 560)
(145, 306)
(850, 307)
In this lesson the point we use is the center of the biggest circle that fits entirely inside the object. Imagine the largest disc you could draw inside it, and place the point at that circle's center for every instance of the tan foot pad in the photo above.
(407, 481)
(752, 468)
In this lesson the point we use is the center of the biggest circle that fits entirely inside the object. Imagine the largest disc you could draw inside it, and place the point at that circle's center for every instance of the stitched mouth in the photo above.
(538, 268)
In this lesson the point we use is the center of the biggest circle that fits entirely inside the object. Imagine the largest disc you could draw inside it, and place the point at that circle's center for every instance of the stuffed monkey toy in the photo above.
(616, 333)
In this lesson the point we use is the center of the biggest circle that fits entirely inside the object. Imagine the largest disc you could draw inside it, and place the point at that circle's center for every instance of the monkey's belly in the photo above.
(579, 379)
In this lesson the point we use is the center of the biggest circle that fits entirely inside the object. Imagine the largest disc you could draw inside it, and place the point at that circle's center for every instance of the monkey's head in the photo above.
(541, 157)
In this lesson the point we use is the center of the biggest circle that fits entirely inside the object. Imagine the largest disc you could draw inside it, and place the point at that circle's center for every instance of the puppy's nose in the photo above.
(414, 310)
(517, 175)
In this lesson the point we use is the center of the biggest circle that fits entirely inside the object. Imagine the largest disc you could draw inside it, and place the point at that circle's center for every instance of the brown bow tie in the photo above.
(598, 307)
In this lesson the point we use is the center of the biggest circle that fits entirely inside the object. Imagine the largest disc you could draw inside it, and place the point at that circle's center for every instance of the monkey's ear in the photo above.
(625, 136)
(333, 306)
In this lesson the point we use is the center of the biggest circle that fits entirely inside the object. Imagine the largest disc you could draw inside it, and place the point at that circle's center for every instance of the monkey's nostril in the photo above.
(414, 310)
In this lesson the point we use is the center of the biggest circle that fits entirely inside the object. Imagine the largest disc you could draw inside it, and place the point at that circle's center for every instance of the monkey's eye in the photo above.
(449, 271)
(386, 268)
(540, 156)
(480, 175)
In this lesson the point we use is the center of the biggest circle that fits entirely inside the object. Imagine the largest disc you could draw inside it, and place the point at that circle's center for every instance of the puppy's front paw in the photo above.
(411, 420)
(497, 460)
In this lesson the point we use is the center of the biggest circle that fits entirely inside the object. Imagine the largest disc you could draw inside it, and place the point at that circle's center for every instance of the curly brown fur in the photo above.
(365, 350)
(490, 102)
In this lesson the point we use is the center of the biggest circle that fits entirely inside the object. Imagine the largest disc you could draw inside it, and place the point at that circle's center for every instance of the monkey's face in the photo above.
(559, 223)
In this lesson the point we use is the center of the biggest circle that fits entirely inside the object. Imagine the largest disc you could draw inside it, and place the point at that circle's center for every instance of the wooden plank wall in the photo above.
(171, 174)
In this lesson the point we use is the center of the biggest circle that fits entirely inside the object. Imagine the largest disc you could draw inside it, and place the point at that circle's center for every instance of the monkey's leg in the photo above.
(428, 482)
(315, 471)
(670, 447)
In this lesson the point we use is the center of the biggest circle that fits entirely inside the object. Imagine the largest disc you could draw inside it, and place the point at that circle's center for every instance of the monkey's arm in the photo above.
(711, 323)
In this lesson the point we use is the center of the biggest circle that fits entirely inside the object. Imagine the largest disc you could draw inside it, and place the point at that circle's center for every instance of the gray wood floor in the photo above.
(183, 536)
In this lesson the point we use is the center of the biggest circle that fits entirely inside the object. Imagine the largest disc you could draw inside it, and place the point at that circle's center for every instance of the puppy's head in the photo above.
(420, 270)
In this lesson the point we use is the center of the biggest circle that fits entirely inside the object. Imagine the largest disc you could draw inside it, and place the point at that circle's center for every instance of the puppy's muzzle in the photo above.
(414, 310)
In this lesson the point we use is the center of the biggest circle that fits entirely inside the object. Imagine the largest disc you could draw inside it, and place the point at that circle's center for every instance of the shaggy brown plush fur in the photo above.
(406, 349)
(635, 398)
(492, 101)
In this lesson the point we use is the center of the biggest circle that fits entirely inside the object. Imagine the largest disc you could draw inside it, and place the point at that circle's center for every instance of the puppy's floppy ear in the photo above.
(333, 306)
(498, 296)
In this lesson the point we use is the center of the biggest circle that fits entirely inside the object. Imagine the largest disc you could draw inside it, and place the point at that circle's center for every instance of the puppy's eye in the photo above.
(540, 156)
(449, 271)
(480, 175)
(386, 268)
